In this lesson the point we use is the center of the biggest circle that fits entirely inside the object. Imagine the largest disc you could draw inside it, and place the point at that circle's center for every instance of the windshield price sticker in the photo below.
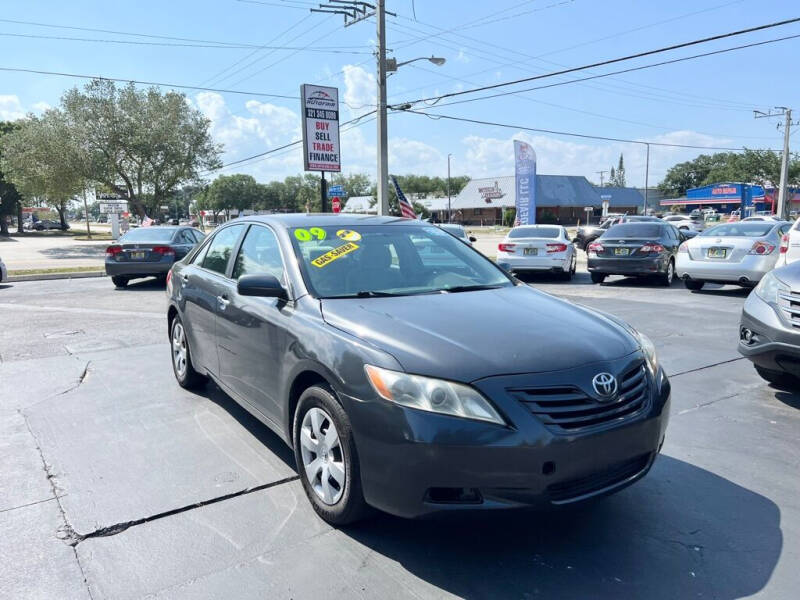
(348, 235)
(334, 254)
(313, 234)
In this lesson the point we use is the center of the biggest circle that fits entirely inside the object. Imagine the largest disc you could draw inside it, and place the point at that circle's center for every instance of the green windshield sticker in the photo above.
(334, 254)
(306, 235)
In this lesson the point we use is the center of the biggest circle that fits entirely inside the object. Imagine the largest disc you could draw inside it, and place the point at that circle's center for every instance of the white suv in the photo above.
(790, 246)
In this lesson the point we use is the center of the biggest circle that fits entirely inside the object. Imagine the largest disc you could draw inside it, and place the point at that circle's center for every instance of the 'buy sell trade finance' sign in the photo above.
(320, 107)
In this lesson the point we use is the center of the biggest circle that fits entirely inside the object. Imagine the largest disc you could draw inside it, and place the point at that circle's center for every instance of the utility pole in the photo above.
(383, 149)
(449, 215)
(323, 193)
(602, 174)
(646, 178)
(784, 201)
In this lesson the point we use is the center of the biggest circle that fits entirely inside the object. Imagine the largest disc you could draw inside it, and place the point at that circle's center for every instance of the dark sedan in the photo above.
(148, 252)
(375, 366)
(636, 249)
(588, 233)
(769, 334)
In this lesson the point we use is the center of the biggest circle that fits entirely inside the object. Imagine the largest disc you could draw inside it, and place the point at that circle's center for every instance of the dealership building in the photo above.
(559, 199)
(728, 196)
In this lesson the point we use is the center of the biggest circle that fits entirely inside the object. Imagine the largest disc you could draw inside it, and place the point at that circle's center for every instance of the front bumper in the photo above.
(510, 262)
(415, 463)
(628, 266)
(775, 343)
(752, 268)
(140, 269)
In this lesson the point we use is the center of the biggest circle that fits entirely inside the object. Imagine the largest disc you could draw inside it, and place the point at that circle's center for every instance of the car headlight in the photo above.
(769, 287)
(433, 395)
(649, 350)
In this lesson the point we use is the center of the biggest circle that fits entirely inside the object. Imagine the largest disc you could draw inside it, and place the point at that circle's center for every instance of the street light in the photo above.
(391, 66)
(449, 216)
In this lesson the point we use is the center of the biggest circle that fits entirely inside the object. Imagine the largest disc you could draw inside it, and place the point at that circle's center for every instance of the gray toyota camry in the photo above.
(408, 372)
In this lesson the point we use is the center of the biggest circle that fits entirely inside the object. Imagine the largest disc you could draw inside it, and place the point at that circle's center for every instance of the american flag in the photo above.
(147, 222)
(406, 210)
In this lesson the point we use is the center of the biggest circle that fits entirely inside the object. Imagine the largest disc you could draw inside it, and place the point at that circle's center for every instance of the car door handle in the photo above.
(223, 301)
(185, 278)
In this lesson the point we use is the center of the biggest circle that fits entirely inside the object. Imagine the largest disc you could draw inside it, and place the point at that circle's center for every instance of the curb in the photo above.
(49, 276)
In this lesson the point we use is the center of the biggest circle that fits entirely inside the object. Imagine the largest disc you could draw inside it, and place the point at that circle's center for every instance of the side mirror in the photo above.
(261, 284)
(472, 238)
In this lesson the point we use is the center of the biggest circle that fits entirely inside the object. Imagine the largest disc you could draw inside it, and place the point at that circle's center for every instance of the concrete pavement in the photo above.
(118, 483)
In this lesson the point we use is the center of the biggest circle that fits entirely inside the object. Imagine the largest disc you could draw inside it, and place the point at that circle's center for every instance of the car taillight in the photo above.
(506, 247)
(112, 251)
(683, 247)
(556, 248)
(595, 247)
(652, 248)
(784, 243)
(761, 248)
(169, 277)
(162, 250)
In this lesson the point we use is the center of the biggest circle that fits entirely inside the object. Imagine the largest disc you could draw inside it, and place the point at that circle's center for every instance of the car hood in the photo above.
(469, 335)
(790, 275)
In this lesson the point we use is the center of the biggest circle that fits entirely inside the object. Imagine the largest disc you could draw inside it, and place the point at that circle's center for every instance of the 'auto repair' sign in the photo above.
(320, 107)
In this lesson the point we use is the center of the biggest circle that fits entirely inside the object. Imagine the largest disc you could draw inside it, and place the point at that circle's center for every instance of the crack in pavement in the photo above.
(65, 532)
(31, 503)
(111, 530)
(81, 378)
(704, 404)
(712, 365)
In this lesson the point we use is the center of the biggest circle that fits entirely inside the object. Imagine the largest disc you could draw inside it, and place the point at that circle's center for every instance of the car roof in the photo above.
(292, 220)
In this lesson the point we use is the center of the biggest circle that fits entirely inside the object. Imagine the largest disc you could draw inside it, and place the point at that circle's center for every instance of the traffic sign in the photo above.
(336, 204)
(335, 190)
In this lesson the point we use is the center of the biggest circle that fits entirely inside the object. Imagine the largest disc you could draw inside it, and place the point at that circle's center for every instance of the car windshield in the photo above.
(634, 230)
(148, 234)
(534, 232)
(390, 260)
(741, 229)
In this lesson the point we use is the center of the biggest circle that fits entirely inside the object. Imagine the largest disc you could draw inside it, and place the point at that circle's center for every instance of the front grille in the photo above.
(567, 409)
(790, 305)
(576, 488)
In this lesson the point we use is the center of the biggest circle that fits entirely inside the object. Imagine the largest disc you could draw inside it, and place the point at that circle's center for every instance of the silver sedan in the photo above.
(735, 253)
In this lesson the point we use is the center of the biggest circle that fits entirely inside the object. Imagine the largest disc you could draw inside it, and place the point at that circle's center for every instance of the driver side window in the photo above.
(259, 253)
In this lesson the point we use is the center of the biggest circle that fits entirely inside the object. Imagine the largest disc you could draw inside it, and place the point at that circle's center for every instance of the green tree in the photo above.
(142, 143)
(10, 198)
(227, 192)
(619, 177)
(41, 159)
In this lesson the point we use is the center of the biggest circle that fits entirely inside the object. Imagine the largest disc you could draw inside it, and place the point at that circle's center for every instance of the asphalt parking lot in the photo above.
(116, 483)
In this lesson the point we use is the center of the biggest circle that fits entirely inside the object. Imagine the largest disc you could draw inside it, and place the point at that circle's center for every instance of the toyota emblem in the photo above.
(605, 385)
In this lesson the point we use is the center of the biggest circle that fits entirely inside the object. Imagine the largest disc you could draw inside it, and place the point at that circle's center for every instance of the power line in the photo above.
(590, 77)
(322, 49)
(569, 133)
(613, 60)
(139, 82)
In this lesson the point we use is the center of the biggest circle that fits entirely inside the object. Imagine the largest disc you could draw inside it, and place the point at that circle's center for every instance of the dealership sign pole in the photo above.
(525, 175)
(320, 106)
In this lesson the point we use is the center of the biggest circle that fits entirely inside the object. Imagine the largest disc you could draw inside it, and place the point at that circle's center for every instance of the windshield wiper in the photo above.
(376, 294)
(471, 288)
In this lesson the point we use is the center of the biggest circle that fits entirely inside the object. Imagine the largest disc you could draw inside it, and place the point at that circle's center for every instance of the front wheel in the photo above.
(182, 366)
(598, 277)
(778, 378)
(326, 457)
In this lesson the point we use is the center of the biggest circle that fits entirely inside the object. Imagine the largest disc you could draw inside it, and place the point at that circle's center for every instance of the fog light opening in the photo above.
(746, 335)
(548, 468)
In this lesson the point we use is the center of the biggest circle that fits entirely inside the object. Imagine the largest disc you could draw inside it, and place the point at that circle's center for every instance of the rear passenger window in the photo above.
(259, 254)
(220, 249)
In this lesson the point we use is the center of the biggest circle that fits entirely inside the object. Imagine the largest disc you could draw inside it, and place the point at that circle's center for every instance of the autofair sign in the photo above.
(320, 107)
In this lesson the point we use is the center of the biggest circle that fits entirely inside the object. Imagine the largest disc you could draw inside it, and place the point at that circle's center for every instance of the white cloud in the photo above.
(360, 91)
(487, 157)
(41, 106)
(11, 108)
(462, 57)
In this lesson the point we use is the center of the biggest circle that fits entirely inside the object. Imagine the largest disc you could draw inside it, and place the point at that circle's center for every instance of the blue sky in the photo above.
(705, 102)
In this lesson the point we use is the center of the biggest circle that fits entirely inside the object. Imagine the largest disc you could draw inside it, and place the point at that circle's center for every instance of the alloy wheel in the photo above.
(322, 455)
(179, 349)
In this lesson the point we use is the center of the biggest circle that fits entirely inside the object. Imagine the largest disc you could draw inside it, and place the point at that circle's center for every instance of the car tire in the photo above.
(693, 284)
(598, 277)
(119, 281)
(181, 357)
(778, 378)
(568, 274)
(319, 460)
(668, 277)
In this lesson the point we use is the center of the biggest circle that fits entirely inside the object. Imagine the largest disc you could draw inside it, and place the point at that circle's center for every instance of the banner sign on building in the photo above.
(320, 107)
(525, 175)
